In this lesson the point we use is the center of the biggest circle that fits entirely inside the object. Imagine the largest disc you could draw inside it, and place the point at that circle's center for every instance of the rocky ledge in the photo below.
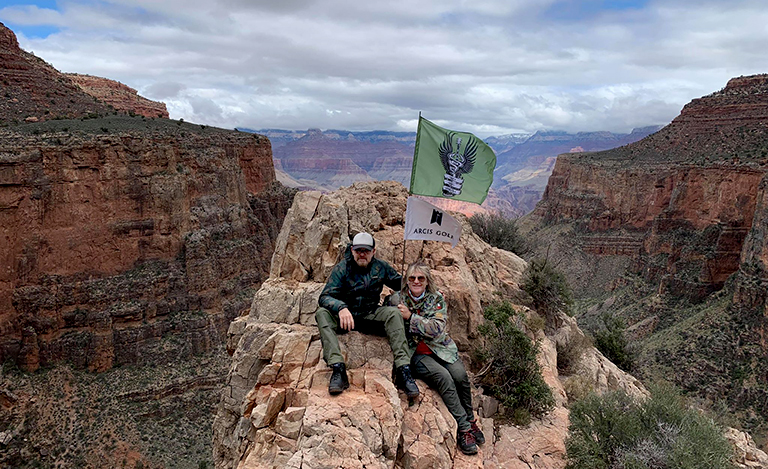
(275, 410)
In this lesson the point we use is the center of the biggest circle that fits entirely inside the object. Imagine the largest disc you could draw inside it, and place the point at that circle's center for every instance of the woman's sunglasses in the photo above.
(420, 278)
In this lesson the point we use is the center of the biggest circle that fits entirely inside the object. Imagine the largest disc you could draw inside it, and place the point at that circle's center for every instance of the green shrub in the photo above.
(613, 344)
(547, 287)
(498, 231)
(615, 431)
(513, 375)
(569, 353)
(577, 387)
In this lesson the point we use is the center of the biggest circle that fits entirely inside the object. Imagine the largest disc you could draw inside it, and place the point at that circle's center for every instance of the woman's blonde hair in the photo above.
(421, 267)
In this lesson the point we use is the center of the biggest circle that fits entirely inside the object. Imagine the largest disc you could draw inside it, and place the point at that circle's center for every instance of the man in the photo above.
(350, 301)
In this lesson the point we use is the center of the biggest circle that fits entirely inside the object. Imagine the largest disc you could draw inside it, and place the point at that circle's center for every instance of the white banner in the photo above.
(425, 221)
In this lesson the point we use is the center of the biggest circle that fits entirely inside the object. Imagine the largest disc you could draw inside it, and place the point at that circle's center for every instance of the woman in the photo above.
(435, 357)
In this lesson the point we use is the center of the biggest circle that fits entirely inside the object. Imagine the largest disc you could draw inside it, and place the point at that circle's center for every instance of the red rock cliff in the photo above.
(117, 233)
(33, 90)
(680, 201)
(120, 96)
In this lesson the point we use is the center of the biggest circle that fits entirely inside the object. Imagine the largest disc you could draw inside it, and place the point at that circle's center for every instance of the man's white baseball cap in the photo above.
(363, 240)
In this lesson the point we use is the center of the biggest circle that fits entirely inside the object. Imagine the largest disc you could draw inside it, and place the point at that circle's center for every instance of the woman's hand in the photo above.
(404, 311)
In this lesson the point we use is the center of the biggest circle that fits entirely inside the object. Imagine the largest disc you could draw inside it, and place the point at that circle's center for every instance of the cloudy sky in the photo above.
(485, 66)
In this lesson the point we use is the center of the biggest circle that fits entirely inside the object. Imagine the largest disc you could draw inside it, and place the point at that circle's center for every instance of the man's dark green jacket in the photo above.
(357, 288)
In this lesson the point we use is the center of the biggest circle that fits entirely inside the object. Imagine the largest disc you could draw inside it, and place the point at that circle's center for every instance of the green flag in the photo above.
(454, 165)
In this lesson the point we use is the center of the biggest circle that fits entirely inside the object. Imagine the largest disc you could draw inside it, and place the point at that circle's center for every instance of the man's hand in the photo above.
(346, 321)
(404, 311)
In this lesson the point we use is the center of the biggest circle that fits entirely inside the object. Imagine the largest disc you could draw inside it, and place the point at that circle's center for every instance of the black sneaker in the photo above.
(339, 381)
(405, 381)
(476, 432)
(466, 442)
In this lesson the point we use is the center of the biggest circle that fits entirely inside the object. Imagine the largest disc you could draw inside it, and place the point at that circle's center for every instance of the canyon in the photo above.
(668, 234)
(159, 283)
(682, 199)
(327, 160)
(109, 234)
(128, 242)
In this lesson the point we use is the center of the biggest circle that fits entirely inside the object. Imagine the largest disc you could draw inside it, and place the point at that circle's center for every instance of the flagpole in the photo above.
(415, 149)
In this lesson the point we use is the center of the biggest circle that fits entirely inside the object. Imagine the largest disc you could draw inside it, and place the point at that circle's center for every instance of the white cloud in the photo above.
(492, 66)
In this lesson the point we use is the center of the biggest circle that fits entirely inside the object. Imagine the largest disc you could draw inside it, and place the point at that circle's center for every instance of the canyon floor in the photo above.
(130, 416)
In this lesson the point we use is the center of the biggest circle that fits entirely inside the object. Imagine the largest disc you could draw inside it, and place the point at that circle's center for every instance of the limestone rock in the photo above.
(275, 409)
(748, 455)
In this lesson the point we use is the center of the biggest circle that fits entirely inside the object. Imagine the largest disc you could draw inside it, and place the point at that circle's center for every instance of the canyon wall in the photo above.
(680, 202)
(119, 233)
(121, 97)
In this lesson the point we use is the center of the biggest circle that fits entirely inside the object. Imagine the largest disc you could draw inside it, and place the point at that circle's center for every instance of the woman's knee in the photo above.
(459, 373)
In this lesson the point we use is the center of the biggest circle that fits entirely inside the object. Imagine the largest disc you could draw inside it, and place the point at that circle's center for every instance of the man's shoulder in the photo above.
(381, 264)
(383, 268)
(340, 268)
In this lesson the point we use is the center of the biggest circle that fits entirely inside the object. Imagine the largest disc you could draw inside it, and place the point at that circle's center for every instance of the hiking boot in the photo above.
(405, 381)
(466, 442)
(476, 432)
(339, 381)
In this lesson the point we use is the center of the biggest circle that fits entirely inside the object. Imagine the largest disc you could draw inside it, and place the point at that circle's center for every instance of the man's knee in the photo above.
(389, 313)
(323, 317)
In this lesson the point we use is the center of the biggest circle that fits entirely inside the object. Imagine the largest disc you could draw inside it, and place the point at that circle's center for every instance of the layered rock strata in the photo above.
(119, 233)
(688, 192)
(119, 96)
(275, 408)
(34, 91)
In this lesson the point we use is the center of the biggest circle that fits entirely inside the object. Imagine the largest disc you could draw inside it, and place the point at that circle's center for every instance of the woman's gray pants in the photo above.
(451, 381)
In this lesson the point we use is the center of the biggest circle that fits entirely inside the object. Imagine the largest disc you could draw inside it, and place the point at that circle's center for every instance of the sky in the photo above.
(490, 67)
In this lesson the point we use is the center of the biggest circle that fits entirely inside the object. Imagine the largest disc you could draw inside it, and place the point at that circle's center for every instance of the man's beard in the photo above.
(363, 262)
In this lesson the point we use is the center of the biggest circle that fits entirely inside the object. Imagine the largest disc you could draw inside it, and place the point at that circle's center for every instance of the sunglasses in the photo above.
(420, 278)
(362, 250)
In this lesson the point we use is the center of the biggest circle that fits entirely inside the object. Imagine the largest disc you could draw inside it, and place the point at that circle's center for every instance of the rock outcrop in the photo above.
(275, 409)
(119, 96)
(118, 233)
(35, 91)
(678, 203)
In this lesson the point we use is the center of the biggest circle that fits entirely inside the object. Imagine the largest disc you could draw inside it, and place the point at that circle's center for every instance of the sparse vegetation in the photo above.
(511, 372)
(616, 431)
(612, 342)
(547, 287)
(498, 231)
(568, 354)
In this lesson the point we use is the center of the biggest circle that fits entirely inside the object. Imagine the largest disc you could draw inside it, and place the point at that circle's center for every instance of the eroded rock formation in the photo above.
(35, 91)
(118, 233)
(678, 203)
(275, 410)
(119, 96)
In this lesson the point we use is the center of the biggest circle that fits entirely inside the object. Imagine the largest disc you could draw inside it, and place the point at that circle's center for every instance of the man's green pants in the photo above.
(385, 319)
